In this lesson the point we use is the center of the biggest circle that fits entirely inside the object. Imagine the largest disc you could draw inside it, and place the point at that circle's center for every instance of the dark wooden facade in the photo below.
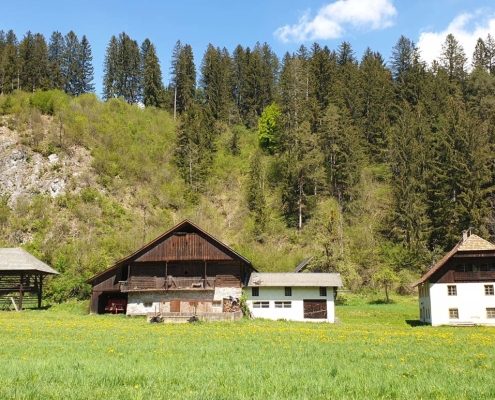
(184, 258)
(467, 267)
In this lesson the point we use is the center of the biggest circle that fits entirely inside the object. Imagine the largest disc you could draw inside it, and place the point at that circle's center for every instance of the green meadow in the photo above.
(377, 351)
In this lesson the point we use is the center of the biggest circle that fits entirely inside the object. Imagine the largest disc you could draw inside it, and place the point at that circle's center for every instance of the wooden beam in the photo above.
(40, 289)
(21, 291)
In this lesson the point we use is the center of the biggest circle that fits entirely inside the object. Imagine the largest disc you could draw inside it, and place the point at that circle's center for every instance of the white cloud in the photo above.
(333, 19)
(467, 28)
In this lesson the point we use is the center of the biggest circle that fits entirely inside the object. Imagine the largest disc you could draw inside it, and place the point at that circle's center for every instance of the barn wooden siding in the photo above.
(182, 246)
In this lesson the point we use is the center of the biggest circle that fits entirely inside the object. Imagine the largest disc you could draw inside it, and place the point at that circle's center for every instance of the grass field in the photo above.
(375, 352)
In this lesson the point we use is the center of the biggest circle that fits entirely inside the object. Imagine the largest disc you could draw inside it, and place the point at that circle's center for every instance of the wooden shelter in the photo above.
(184, 270)
(21, 273)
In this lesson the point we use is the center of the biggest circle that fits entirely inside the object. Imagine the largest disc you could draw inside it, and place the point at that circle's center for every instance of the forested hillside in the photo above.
(372, 167)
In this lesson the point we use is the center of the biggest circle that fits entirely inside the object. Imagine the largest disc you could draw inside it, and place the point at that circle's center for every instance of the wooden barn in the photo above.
(183, 272)
(21, 278)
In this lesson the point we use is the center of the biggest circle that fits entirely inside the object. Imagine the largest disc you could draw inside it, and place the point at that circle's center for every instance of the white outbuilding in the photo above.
(293, 296)
(459, 289)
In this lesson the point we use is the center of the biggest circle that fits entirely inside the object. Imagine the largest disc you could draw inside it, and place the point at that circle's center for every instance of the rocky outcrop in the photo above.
(24, 173)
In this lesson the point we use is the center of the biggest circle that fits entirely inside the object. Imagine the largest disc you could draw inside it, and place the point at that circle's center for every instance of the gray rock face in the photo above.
(24, 173)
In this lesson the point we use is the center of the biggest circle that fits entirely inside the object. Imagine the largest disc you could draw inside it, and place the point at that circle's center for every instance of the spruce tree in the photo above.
(71, 67)
(56, 50)
(85, 69)
(110, 69)
(183, 73)
(153, 90)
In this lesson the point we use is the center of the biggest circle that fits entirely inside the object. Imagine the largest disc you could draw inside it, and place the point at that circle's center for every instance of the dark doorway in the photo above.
(118, 299)
(315, 309)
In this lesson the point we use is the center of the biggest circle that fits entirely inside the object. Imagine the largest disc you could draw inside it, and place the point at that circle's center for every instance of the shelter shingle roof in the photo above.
(322, 279)
(17, 260)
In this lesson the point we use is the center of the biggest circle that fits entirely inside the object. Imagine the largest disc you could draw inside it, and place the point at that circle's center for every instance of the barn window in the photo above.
(283, 304)
(323, 291)
(490, 312)
(147, 304)
(464, 268)
(489, 290)
(288, 291)
(453, 313)
(255, 291)
(261, 304)
(217, 303)
(452, 290)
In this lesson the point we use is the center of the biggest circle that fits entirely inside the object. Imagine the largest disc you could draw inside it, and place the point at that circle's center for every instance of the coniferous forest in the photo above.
(373, 167)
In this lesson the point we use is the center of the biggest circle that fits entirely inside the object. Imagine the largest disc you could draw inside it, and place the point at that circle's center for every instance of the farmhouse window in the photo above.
(288, 291)
(489, 290)
(283, 304)
(323, 291)
(261, 304)
(452, 290)
(464, 268)
(255, 291)
(147, 304)
(487, 267)
(490, 312)
(453, 313)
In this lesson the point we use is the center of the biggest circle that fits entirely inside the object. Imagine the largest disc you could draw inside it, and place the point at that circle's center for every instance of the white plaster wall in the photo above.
(425, 305)
(160, 301)
(470, 301)
(296, 312)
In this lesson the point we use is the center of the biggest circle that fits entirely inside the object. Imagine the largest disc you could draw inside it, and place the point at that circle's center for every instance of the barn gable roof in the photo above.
(184, 227)
(19, 260)
(471, 243)
(293, 279)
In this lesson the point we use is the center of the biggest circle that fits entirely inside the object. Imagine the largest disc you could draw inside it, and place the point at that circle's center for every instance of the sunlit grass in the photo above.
(375, 352)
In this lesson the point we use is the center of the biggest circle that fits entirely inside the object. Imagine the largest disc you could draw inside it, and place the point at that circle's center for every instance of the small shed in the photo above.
(21, 273)
(293, 296)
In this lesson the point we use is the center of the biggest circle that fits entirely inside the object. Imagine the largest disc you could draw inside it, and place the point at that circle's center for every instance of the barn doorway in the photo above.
(112, 302)
(315, 309)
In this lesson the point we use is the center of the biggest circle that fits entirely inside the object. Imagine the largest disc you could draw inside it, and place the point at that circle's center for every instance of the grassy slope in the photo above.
(134, 191)
(372, 353)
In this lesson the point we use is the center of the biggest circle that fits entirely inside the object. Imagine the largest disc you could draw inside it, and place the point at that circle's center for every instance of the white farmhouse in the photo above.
(459, 289)
(293, 296)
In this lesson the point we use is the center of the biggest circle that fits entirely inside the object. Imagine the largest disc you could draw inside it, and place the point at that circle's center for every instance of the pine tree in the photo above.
(110, 69)
(453, 58)
(12, 63)
(256, 193)
(56, 50)
(153, 90)
(71, 68)
(217, 82)
(183, 73)
(86, 69)
(377, 90)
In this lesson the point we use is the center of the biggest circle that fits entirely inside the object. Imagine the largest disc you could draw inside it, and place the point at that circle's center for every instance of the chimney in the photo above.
(464, 235)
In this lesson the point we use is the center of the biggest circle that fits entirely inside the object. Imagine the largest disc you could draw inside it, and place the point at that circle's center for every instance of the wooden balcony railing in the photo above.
(140, 283)
(482, 276)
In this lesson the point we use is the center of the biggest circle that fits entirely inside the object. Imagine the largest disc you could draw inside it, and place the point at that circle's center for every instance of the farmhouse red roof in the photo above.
(471, 243)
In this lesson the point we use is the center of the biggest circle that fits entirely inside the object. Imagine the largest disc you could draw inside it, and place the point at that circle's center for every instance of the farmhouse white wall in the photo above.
(470, 301)
(296, 312)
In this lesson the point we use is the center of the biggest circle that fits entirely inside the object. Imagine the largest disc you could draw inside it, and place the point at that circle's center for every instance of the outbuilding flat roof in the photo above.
(306, 279)
(16, 259)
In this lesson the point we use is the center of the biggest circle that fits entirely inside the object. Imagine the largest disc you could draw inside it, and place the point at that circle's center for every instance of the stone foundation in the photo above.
(189, 302)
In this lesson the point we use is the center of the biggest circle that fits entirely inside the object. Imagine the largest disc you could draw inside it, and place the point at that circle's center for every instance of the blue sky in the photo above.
(283, 24)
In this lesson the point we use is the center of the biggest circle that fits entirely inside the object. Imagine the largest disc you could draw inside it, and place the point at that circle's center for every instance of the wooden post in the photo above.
(166, 275)
(20, 292)
(204, 287)
(40, 288)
